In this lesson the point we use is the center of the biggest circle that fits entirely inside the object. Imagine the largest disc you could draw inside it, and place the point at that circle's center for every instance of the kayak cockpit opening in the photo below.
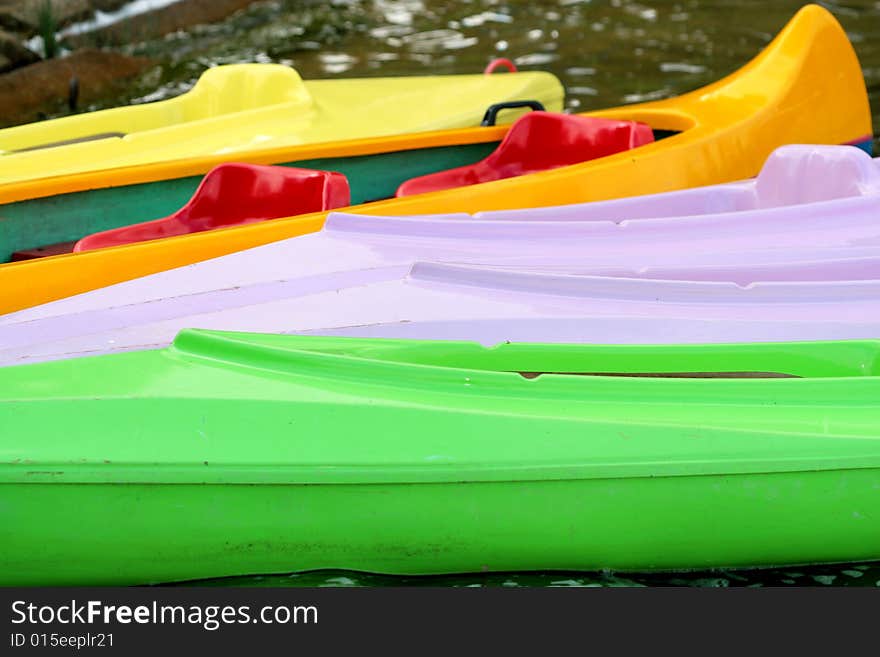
(781, 360)
(76, 140)
(673, 375)
(664, 134)
(575, 138)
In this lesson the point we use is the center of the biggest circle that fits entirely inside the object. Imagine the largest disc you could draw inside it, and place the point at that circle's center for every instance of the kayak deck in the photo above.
(486, 468)
(240, 108)
(485, 305)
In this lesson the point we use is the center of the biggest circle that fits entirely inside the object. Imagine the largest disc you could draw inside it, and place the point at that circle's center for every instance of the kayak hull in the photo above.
(545, 277)
(95, 534)
(267, 106)
(233, 454)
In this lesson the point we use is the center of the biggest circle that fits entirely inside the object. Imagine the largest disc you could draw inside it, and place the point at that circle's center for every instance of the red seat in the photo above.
(235, 194)
(536, 142)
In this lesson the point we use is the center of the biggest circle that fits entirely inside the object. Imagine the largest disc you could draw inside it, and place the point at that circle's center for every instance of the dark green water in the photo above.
(606, 52)
(847, 575)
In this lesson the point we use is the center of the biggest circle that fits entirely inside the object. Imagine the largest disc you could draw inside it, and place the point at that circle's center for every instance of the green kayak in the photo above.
(230, 454)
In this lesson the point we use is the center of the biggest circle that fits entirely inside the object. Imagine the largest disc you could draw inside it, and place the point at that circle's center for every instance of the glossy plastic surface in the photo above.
(236, 194)
(267, 454)
(490, 306)
(539, 141)
(706, 233)
(727, 131)
(793, 176)
(355, 273)
(238, 109)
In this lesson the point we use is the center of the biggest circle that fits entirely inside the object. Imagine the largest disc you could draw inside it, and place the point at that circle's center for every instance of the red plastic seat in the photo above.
(536, 142)
(235, 194)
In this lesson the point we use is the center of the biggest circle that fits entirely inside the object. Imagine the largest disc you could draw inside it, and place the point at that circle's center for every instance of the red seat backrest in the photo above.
(536, 142)
(235, 194)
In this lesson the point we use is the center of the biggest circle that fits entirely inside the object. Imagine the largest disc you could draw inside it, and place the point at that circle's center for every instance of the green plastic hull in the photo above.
(129, 534)
(230, 454)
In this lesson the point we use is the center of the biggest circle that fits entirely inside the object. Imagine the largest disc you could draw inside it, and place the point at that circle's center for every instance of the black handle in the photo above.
(492, 113)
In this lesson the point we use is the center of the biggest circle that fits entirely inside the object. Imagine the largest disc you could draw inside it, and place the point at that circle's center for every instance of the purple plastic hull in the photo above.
(489, 306)
(777, 264)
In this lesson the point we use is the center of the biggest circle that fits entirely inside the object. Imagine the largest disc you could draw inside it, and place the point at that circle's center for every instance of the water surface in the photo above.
(837, 575)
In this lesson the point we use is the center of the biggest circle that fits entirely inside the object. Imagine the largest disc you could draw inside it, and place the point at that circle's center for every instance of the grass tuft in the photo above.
(47, 24)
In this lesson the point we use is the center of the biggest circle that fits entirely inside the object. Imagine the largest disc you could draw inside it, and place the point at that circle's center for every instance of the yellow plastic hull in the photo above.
(806, 86)
(237, 109)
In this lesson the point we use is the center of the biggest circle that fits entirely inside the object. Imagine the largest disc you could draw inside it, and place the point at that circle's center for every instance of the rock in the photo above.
(23, 16)
(157, 23)
(108, 5)
(43, 88)
(13, 54)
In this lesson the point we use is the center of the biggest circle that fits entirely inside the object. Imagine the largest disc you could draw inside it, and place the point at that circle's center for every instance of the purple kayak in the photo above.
(614, 236)
(328, 281)
(434, 301)
(823, 265)
(793, 175)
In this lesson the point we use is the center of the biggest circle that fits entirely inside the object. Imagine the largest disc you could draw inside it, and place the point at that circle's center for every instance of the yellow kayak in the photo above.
(805, 87)
(235, 109)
